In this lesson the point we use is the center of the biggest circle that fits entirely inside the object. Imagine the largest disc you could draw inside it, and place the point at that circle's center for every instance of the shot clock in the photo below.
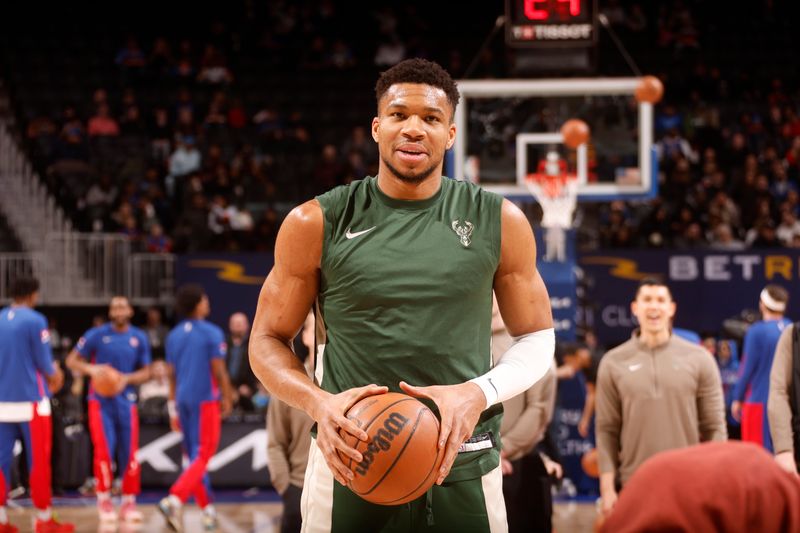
(551, 23)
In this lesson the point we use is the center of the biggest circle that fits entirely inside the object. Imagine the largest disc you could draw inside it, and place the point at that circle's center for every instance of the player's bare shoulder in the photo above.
(516, 236)
(300, 235)
(306, 216)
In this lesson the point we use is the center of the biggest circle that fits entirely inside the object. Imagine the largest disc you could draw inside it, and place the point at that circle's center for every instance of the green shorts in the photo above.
(472, 505)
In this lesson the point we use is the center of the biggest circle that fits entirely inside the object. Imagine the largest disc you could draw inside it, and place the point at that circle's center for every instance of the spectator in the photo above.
(717, 486)
(131, 124)
(289, 438)
(213, 69)
(184, 160)
(156, 331)
(157, 387)
(788, 228)
(238, 361)
(102, 124)
(160, 134)
(98, 201)
(156, 242)
(723, 239)
(160, 60)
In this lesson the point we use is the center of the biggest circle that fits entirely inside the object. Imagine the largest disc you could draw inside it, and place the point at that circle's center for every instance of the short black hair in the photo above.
(187, 298)
(23, 287)
(422, 71)
(651, 281)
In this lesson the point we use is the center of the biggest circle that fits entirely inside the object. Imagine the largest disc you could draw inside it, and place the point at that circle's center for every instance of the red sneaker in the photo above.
(8, 528)
(51, 526)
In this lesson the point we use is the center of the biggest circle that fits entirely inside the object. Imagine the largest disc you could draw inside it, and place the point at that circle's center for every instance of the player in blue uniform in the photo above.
(751, 391)
(26, 372)
(200, 395)
(114, 421)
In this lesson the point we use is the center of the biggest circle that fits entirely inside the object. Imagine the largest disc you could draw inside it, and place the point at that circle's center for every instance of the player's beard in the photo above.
(411, 178)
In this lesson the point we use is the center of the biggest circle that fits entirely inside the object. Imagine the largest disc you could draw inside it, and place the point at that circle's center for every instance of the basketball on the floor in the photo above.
(401, 461)
(107, 381)
(575, 132)
(589, 463)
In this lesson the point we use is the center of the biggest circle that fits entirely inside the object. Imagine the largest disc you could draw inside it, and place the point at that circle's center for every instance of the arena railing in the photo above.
(89, 268)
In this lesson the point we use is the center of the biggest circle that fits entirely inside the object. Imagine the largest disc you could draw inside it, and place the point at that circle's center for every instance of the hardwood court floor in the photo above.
(570, 517)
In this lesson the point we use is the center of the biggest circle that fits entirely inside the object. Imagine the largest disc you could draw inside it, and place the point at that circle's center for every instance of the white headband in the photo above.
(771, 303)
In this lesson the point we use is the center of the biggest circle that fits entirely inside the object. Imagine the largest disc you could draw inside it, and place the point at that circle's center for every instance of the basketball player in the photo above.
(26, 362)
(200, 393)
(758, 351)
(654, 392)
(400, 268)
(114, 421)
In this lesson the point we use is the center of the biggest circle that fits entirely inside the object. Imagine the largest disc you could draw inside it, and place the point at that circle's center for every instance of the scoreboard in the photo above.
(551, 23)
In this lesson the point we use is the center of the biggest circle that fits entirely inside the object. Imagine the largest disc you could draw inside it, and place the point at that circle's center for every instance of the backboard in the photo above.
(505, 128)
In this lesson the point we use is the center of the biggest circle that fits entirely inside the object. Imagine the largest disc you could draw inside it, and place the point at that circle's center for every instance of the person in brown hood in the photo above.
(726, 487)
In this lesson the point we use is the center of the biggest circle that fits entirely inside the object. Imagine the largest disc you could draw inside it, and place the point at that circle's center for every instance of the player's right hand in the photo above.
(56, 381)
(329, 415)
(96, 370)
(736, 410)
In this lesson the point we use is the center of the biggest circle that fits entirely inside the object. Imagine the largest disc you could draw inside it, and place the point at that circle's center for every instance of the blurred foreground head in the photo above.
(728, 487)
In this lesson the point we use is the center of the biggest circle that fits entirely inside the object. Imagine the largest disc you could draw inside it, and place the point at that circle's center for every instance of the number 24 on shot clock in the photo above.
(551, 23)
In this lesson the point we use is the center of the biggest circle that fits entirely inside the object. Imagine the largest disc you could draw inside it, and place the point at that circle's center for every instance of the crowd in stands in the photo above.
(176, 154)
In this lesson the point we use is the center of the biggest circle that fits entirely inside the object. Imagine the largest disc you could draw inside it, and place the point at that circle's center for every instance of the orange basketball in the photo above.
(107, 381)
(575, 132)
(650, 89)
(589, 463)
(401, 461)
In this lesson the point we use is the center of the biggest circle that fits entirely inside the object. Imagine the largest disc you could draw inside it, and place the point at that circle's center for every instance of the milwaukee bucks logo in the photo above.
(464, 232)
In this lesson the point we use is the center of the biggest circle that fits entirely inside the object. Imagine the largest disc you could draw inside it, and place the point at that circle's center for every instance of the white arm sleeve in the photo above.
(519, 367)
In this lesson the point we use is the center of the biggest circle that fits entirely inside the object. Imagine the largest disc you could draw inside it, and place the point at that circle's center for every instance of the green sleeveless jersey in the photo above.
(406, 294)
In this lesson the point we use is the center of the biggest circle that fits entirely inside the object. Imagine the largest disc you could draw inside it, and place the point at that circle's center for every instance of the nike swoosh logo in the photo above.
(353, 235)
(634, 368)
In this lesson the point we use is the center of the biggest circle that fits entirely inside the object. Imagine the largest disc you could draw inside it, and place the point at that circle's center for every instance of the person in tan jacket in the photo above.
(779, 405)
(288, 441)
(655, 392)
(526, 416)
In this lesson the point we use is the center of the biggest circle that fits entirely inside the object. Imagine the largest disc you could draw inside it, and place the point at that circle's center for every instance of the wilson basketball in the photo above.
(575, 132)
(401, 461)
(589, 463)
(650, 89)
(107, 381)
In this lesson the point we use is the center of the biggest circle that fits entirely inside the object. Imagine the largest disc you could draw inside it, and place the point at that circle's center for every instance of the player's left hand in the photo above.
(460, 406)
(123, 382)
(225, 405)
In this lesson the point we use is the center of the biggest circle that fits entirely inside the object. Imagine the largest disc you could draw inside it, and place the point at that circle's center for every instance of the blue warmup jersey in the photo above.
(25, 355)
(758, 351)
(190, 346)
(127, 351)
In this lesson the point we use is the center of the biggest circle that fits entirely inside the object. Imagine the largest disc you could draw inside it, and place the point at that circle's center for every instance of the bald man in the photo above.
(238, 362)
